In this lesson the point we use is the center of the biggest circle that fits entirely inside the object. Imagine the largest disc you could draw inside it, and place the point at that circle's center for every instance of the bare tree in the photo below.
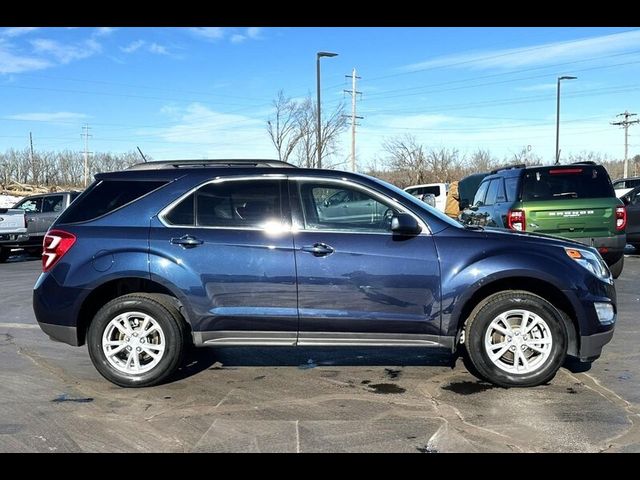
(284, 129)
(293, 131)
(406, 156)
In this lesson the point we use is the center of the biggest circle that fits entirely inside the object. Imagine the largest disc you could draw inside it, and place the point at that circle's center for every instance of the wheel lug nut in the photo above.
(126, 339)
(508, 339)
(128, 349)
(513, 349)
(524, 347)
(138, 349)
(142, 340)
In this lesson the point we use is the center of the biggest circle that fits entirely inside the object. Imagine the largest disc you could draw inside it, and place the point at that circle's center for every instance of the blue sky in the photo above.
(207, 92)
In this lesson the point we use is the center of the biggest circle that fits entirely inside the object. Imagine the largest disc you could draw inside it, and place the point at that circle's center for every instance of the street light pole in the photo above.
(319, 119)
(558, 117)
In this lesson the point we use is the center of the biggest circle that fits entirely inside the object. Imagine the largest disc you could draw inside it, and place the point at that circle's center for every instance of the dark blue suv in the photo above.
(166, 254)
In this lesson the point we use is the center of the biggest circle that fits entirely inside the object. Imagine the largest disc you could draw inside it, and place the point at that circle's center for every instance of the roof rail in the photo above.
(585, 162)
(508, 167)
(242, 162)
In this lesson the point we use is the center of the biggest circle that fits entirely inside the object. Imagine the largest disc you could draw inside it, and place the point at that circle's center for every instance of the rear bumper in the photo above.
(591, 346)
(614, 246)
(61, 333)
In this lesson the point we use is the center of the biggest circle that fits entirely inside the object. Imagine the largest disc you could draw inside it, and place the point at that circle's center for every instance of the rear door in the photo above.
(575, 201)
(228, 247)
(633, 217)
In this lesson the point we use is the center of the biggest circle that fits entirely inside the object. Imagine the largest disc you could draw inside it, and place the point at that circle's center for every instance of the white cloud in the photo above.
(202, 132)
(66, 53)
(555, 52)
(52, 117)
(208, 33)
(237, 38)
(148, 47)
(17, 31)
(104, 31)
(133, 46)
(16, 63)
(254, 32)
(158, 49)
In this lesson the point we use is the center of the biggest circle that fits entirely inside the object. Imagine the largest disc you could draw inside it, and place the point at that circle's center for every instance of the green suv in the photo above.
(575, 201)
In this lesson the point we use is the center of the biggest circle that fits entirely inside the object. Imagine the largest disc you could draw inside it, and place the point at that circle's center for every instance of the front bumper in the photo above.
(13, 240)
(591, 346)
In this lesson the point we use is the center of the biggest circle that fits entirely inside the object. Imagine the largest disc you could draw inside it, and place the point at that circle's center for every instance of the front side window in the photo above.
(492, 191)
(240, 204)
(360, 212)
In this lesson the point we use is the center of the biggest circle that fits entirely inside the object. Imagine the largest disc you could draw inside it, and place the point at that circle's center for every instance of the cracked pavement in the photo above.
(284, 399)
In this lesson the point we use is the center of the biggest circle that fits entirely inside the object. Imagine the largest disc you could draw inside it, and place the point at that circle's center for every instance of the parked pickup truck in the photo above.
(39, 212)
(13, 229)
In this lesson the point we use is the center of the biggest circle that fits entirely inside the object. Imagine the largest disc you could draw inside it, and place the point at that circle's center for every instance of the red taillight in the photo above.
(56, 243)
(621, 218)
(516, 220)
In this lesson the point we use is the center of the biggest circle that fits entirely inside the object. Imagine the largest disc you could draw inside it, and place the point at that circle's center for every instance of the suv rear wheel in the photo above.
(516, 339)
(137, 340)
(616, 268)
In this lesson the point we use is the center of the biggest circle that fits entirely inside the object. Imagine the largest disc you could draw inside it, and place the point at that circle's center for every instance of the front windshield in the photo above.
(410, 198)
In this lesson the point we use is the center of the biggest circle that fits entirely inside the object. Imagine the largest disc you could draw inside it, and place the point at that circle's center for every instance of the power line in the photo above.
(625, 123)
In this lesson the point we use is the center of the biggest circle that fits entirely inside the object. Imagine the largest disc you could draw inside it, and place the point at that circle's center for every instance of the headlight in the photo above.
(589, 260)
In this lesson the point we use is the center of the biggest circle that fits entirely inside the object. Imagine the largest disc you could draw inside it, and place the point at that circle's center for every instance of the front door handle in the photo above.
(319, 249)
(187, 241)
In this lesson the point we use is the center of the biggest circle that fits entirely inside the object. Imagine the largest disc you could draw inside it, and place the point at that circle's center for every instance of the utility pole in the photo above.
(85, 134)
(353, 116)
(625, 123)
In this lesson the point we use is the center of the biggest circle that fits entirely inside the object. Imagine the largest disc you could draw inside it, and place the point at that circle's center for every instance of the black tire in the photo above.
(616, 268)
(4, 254)
(170, 321)
(490, 308)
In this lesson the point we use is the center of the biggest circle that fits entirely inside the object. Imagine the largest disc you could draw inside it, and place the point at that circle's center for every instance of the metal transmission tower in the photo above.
(353, 116)
(85, 134)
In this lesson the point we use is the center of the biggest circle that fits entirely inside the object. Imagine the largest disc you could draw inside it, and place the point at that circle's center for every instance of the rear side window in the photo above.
(52, 204)
(105, 197)
(237, 204)
(493, 190)
(566, 182)
(511, 185)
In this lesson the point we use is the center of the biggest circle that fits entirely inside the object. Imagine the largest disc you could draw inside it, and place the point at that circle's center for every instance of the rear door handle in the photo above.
(319, 249)
(187, 241)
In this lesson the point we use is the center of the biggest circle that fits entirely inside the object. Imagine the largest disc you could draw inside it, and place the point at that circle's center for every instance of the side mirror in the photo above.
(474, 208)
(626, 200)
(464, 204)
(405, 224)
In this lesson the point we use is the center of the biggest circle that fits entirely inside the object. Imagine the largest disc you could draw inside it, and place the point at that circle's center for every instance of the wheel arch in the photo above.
(542, 288)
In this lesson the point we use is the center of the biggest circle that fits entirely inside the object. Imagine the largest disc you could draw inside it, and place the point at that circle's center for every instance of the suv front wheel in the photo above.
(516, 339)
(137, 340)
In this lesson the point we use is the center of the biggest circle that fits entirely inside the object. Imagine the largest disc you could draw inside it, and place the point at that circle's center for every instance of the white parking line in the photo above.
(18, 325)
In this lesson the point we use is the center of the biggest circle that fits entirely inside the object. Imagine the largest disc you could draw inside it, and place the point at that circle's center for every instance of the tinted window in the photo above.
(492, 191)
(557, 183)
(480, 194)
(435, 190)
(363, 213)
(231, 204)
(512, 188)
(31, 205)
(52, 204)
(105, 197)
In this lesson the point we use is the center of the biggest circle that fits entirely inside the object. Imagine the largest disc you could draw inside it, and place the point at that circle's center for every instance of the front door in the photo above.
(357, 282)
(228, 247)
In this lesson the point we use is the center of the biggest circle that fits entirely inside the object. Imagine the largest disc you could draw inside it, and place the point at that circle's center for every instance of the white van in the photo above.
(439, 190)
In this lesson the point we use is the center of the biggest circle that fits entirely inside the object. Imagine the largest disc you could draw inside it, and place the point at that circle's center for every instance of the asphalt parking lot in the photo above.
(308, 400)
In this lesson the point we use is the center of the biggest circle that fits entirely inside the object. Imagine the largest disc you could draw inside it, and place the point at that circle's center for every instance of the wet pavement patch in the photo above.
(467, 388)
(386, 388)
(392, 373)
(365, 382)
(65, 398)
